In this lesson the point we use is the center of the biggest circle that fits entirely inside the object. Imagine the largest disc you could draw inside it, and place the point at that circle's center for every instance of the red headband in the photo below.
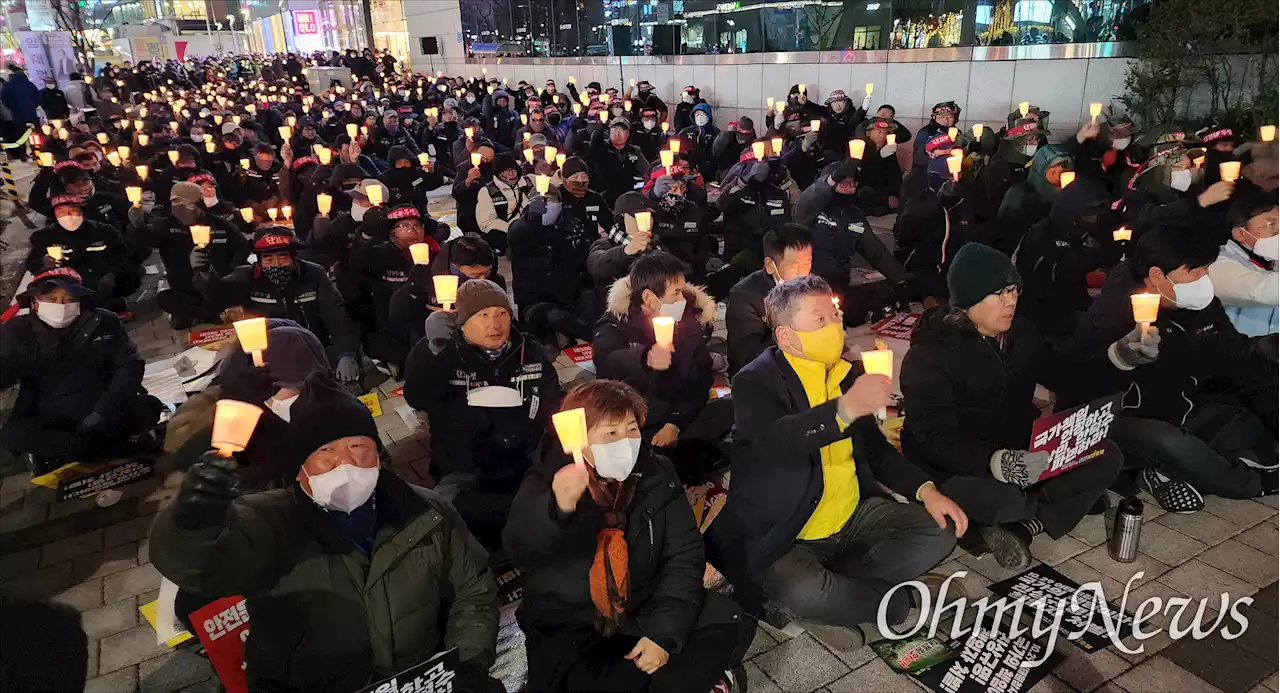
(276, 240)
(405, 213)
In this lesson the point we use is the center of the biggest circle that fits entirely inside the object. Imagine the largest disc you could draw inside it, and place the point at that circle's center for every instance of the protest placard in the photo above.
(89, 479)
(898, 326)
(223, 627)
(1085, 616)
(211, 335)
(432, 676)
(1074, 436)
(989, 662)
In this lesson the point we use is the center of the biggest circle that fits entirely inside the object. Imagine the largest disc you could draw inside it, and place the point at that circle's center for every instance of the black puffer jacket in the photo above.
(309, 299)
(549, 263)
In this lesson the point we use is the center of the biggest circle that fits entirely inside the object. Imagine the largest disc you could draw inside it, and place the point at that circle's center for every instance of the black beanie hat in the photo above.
(323, 413)
(978, 271)
(845, 170)
(397, 153)
(504, 162)
(572, 165)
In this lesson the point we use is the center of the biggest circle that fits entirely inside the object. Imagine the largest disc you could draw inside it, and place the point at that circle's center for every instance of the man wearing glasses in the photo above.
(968, 383)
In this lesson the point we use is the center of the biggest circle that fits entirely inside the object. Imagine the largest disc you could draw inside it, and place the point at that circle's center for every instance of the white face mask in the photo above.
(1121, 143)
(701, 119)
(345, 487)
(494, 396)
(70, 223)
(281, 407)
(1030, 149)
(1268, 248)
(57, 315)
(673, 310)
(1194, 295)
(649, 124)
(198, 139)
(210, 200)
(1180, 180)
(617, 112)
(357, 212)
(616, 460)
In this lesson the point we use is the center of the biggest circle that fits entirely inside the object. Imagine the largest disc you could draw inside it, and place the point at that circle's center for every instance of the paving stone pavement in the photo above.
(97, 560)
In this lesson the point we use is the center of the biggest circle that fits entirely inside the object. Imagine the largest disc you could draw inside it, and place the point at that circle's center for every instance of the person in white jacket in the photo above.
(1244, 275)
(500, 202)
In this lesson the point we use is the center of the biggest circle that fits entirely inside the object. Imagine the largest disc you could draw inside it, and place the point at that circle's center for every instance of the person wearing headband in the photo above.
(753, 203)
(352, 575)
(96, 251)
(943, 116)
(79, 378)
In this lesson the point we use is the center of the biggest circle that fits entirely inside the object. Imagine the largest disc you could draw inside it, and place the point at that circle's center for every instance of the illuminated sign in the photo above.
(304, 22)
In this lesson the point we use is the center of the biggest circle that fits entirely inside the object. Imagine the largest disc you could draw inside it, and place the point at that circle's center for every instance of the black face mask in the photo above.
(553, 119)
(278, 276)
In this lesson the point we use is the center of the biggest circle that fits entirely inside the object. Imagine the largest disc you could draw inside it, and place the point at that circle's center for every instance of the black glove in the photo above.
(107, 285)
(206, 492)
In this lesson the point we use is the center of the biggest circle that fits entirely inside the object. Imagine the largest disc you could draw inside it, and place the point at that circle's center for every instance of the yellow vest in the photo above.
(840, 492)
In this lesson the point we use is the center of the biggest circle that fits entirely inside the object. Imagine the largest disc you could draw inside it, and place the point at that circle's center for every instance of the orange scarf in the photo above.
(610, 577)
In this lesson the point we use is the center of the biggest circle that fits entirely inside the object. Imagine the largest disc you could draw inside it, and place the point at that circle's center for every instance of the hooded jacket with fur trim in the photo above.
(623, 337)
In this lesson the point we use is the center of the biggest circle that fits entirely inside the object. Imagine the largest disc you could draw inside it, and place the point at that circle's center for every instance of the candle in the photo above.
(1198, 162)
(424, 159)
(233, 424)
(142, 170)
(1095, 110)
(200, 235)
(542, 183)
(446, 286)
(667, 156)
(815, 125)
(287, 211)
(134, 194)
(891, 138)
(352, 130)
(286, 133)
(757, 148)
(665, 126)
(102, 138)
(675, 146)
(138, 125)
(524, 119)
(55, 252)
(528, 154)
(560, 159)
(217, 120)
(1024, 107)
(870, 87)
(804, 89)
(324, 203)
(124, 151)
(475, 159)
(1267, 133)
(292, 121)
(244, 164)
(604, 116)
(273, 213)
(769, 101)
(571, 428)
(1068, 177)
(775, 146)
(1230, 171)
(878, 362)
(585, 98)
(252, 334)
(421, 253)
(664, 328)
(549, 153)
(954, 164)
(644, 220)
(977, 131)
(1146, 308)
(374, 193)
(577, 109)
(173, 125)
(210, 147)
(626, 105)
(46, 159)
(857, 148)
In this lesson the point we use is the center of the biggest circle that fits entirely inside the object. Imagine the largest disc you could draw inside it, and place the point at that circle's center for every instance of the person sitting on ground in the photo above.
(1200, 418)
(79, 378)
(97, 252)
(488, 391)
(788, 254)
(675, 379)
(466, 257)
(351, 574)
(969, 415)
(499, 203)
(806, 523)
(1244, 275)
(596, 615)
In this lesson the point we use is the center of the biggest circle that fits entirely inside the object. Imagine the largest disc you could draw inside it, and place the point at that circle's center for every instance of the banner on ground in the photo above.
(1087, 616)
(989, 662)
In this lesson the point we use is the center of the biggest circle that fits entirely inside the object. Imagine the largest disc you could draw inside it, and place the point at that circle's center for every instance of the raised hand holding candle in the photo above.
(1095, 110)
(233, 424)
(954, 164)
(878, 362)
(664, 329)
(815, 125)
(549, 153)
(891, 138)
(775, 146)
(571, 428)
(644, 221)
(134, 194)
(668, 157)
(560, 159)
(769, 101)
(286, 133)
(201, 234)
(246, 213)
(446, 286)
(252, 334)
(869, 88)
(421, 253)
(353, 130)
(1146, 308)
(1230, 171)
(757, 148)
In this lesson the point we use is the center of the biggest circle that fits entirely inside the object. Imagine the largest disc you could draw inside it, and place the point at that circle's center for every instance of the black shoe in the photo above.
(1100, 506)
(1270, 481)
(1010, 544)
(1174, 495)
(178, 322)
(974, 544)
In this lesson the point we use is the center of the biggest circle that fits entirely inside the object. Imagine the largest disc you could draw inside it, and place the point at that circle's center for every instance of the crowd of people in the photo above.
(308, 205)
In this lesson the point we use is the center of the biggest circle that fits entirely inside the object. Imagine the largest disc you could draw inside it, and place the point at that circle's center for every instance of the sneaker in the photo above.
(1012, 550)
(1173, 495)
(734, 680)
(848, 639)
(1270, 481)
(1258, 465)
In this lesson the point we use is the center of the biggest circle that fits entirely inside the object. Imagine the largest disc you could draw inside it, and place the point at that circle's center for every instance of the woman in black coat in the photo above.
(613, 564)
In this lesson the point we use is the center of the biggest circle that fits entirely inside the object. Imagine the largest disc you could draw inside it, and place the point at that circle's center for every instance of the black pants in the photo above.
(385, 346)
(497, 240)
(187, 303)
(842, 579)
(563, 662)
(483, 505)
(50, 438)
(546, 319)
(1208, 452)
(1058, 503)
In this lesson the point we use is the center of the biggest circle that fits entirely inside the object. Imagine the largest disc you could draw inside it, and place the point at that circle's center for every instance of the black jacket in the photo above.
(749, 331)
(966, 396)
(615, 171)
(496, 443)
(549, 263)
(751, 210)
(621, 343)
(777, 468)
(94, 250)
(228, 247)
(555, 550)
(840, 230)
(310, 299)
(88, 366)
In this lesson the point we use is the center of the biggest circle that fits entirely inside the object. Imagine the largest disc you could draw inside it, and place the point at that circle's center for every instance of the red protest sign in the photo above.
(223, 627)
(211, 335)
(898, 326)
(579, 353)
(1074, 436)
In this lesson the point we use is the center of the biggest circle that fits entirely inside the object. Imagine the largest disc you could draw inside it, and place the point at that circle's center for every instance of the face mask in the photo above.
(649, 124)
(186, 215)
(57, 315)
(1268, 248)
(1194, 295)
(616, 460)
(278, 276)
(553, 212)
(700, 119)
(210, 200)
(824, 345)
(1121, 143)
(281, 407)
(357, 212)
(687, 98)
(70, 223)
(838, 107)
(1180, 180)
(673, 310)
(343, 488)
(1030, 150)
(617, 112)
(494, 396)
